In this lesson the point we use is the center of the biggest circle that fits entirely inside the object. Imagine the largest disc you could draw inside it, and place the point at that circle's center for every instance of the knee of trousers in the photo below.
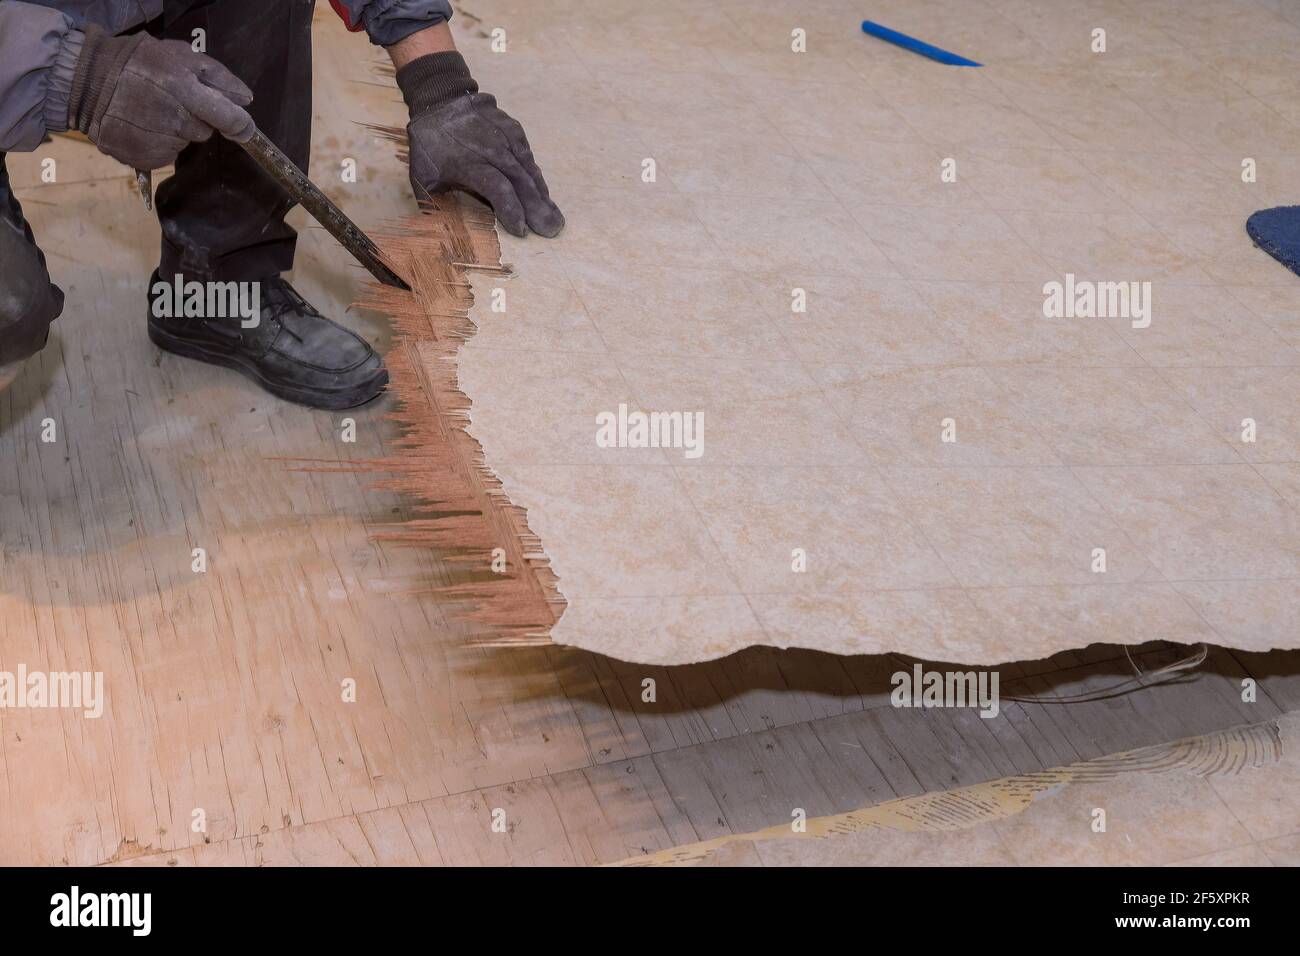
(29, 302)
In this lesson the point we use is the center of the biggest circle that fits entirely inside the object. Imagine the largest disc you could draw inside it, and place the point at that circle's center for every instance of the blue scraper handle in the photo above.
(915, 45)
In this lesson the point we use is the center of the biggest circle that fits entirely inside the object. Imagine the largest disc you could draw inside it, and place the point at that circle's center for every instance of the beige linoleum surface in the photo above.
(824, 429)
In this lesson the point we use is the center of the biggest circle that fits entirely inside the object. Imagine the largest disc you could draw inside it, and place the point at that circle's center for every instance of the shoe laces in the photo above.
(283, 299)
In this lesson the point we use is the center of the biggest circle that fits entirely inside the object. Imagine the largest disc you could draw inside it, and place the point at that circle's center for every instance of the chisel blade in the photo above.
(282, 169)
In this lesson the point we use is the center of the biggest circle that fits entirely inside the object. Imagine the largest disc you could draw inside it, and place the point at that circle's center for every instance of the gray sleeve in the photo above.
(114, 16)
(38, 51)
(388, 21)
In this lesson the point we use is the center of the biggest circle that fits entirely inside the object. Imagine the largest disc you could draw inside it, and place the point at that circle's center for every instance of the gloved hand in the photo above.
(142, 100)
(461, 139)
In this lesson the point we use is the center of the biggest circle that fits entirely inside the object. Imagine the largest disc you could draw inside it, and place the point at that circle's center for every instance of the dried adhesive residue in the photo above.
(1225, 752)
(464, 512)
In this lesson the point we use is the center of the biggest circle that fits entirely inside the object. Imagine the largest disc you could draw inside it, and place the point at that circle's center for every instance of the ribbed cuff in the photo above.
(434, 79)
(58, 88)
(102, 60)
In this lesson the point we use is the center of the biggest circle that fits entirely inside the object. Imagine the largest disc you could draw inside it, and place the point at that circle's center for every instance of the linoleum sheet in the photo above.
(839, 261)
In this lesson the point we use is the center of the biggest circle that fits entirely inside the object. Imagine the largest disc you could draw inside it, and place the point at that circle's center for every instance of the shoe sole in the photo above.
(331, 401)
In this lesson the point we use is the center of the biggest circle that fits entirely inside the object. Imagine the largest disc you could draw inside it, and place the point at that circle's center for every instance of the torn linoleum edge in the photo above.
(464, 512)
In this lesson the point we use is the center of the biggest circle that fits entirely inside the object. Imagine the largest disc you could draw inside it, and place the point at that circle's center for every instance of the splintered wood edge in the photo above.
(462, 508)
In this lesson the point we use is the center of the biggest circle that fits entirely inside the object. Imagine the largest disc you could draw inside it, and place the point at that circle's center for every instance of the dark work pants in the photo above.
(222, 217)
(29, 302)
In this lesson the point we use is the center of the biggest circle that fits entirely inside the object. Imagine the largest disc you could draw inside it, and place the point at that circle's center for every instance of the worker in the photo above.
(127, 74)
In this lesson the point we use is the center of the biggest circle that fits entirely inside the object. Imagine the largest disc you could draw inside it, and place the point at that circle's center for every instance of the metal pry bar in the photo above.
(304, 191)
(144, 185)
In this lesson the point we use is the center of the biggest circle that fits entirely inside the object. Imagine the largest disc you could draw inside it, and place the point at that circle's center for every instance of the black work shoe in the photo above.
(293, 351)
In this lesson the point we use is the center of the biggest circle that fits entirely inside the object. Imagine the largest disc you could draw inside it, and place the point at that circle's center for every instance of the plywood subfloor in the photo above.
(1222, 799)
(224, 689)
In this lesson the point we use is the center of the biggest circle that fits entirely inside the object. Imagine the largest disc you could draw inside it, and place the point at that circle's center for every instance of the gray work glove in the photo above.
(142, 100)
(461, 139)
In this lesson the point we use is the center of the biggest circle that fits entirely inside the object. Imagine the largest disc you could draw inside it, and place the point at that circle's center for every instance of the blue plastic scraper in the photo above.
(915, 45)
